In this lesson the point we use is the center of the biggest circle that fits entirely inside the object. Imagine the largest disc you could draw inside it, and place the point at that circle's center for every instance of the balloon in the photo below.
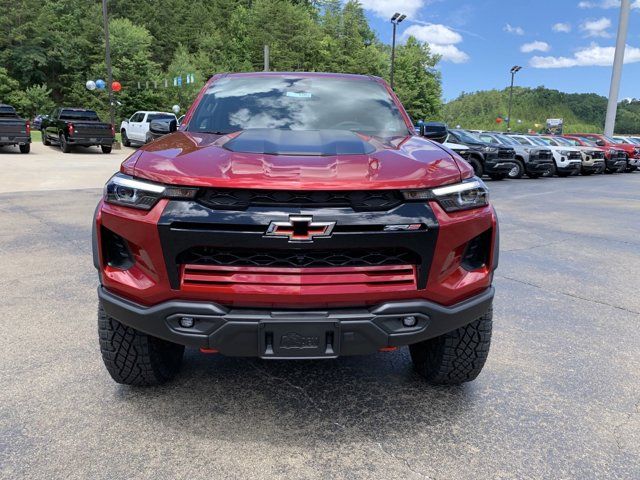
(498, 120)
(101, 84)
(91, 85)
(176, 108)
(116, 86)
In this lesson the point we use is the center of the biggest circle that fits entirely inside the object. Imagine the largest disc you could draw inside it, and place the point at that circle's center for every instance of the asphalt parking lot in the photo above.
(559, 396)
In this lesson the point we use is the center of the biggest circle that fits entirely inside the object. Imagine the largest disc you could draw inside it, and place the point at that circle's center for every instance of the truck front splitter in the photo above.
(289, 333)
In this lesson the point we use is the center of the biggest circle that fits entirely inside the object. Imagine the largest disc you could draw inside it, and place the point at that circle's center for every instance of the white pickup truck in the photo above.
(135, 130)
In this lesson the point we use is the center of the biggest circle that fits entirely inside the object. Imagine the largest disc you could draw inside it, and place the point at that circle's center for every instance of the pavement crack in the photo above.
(572, 295)
(618, 426)
(404, 461)
(262, 372)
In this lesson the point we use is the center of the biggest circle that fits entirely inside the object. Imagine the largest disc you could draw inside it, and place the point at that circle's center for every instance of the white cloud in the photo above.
(591, 56)
(450, 53)
(515, 30)
(441, 39)
(561, 27)
(386, 8)
(536, 46)
(606, 4)
(434, 33)
(597, 28)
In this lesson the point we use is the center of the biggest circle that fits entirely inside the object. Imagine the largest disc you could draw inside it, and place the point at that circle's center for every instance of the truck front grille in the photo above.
(239, 257)
(241, 199)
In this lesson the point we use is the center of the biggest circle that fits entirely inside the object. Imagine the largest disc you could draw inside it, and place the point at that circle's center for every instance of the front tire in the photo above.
(477, 166)
(135, 358)
(45, 140)
(26, 148)
(125, 140)
(518, 169)
(455, 357)
(106, 148)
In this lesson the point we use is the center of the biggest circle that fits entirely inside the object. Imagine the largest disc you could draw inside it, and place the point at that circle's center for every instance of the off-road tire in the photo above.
(135, 358)
(45, 140)
(106, 148)
(518, 170)
(125, 140)
(64, 145)
(26, 148)
(455, 357)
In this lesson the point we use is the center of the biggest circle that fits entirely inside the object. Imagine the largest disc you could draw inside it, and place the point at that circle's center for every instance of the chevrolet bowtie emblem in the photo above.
(300, 228)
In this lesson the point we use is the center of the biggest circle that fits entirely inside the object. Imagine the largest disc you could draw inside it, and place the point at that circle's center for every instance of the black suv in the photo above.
(492, 159)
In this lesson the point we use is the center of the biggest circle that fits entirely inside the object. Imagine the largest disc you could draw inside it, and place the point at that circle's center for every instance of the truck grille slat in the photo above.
(241, 199)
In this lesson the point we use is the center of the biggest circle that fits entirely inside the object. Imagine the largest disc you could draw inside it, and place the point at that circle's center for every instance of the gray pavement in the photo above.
(559, 396)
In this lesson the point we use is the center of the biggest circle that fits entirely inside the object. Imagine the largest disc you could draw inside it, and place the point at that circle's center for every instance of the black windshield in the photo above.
(298, 103)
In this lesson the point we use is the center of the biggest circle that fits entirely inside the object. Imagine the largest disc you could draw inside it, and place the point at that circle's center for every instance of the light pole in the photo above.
(107, 54)
(618, 60)
(514, 70)
(395, 20)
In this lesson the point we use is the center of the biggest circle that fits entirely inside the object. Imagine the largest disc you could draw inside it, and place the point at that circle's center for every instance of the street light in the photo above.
(514, 70)
(395, 20)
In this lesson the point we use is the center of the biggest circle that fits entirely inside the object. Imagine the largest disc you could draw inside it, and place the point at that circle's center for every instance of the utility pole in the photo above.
(616, 74)
(395, 20)
(266, 58)
(107, 52)
(514, 70)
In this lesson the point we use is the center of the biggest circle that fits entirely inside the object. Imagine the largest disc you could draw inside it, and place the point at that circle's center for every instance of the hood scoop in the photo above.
(314, 143)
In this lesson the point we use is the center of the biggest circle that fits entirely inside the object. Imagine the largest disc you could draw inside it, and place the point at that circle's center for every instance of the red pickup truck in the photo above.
(632, 151)
(295, 216)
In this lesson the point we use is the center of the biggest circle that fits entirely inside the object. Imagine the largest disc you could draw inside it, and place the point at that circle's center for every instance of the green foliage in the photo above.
(55, 46)
(581, 112)
(32, 100)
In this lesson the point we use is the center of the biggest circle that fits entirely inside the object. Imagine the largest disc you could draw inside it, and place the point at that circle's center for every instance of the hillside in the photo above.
(581, 111)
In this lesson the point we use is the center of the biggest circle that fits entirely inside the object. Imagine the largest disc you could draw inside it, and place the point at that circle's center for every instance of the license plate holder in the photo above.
(298, 339)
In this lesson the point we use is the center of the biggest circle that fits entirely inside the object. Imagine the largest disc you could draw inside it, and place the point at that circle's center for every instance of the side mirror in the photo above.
(163, 127)
(601, 143)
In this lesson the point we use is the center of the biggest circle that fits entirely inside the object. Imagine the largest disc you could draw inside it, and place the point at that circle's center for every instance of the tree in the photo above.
(417, 83)
(33, 100)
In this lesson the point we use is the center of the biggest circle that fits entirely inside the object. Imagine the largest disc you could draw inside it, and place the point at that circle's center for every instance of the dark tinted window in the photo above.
(297, 103)
(7, 111)
(159, 116)
(79, 115)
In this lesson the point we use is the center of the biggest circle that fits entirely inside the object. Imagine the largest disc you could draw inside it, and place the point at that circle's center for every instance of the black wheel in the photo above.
(455, 357)
(551, 172)
(134, 358)
(518, 169)
(45, 140)
(64, 146)
(498, 176)
(106, 148)
(26, 148)
(148, 139)
(477, 166)
(125, 140)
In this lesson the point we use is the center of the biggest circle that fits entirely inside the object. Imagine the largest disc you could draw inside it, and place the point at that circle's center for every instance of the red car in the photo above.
(295, 216)
(632, 151)
(615, 158)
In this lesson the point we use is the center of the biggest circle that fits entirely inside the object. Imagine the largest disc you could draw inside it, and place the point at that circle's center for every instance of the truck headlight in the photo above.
(564, 153)
(489, 149)
(468, 194)
(125, 190)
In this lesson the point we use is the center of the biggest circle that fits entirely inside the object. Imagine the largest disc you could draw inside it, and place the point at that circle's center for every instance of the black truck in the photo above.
(491, 159)
(68, 127)
(13, 129)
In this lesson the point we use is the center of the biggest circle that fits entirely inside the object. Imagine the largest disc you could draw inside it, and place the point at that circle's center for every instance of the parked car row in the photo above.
(504, 155)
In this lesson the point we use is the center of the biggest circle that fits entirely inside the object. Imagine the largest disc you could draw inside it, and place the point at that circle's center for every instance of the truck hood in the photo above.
(284, 162)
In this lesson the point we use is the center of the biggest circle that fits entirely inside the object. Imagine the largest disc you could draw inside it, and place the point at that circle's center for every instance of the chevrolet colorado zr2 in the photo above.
(294, 216)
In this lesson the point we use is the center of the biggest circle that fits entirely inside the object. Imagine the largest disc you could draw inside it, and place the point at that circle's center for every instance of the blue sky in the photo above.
(563, 44)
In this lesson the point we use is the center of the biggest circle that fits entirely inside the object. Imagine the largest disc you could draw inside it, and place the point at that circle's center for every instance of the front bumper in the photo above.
(572, 168)
(539, 166)
(326, 333)
(498, 166)
(597, 166)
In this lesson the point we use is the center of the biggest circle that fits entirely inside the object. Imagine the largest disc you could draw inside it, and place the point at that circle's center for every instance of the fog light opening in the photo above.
(410, 321)
(187, 322)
